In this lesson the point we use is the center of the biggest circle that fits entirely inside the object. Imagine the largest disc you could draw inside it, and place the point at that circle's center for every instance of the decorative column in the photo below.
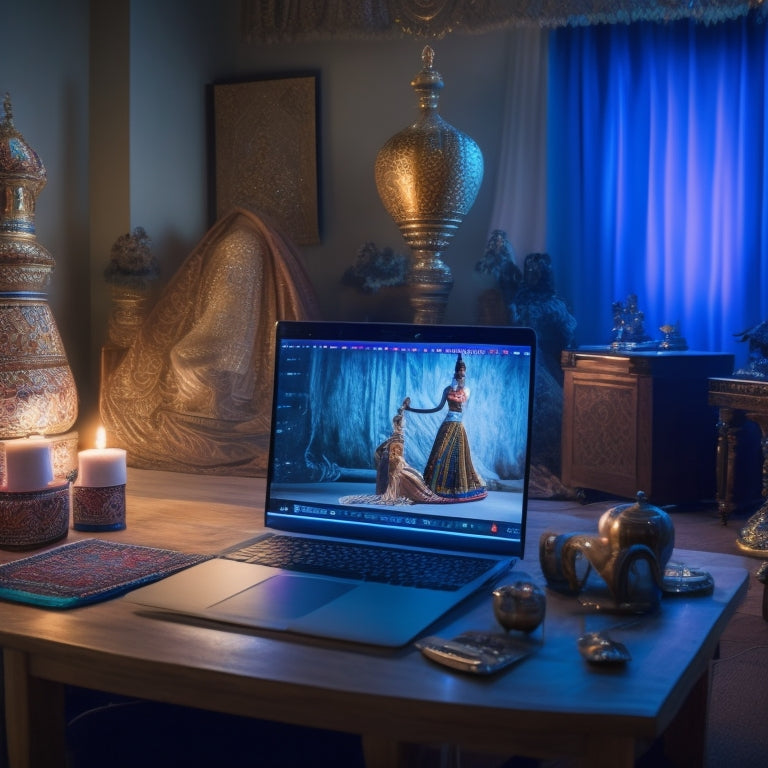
(37, 390)
(428, 176)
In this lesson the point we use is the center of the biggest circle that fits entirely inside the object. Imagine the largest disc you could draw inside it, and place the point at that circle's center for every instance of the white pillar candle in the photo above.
(101, 467)
(28, 465)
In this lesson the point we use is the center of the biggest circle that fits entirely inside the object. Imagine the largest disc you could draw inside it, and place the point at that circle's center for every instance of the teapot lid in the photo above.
(641, 502)
(640, 509)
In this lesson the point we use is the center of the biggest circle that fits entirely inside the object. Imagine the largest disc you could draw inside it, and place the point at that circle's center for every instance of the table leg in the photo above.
(32, 706)
(609, 752)
(17, 725)
(685, 740)
(726, 457)
(381, 752)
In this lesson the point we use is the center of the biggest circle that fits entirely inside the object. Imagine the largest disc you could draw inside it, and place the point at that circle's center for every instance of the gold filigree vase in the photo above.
(428, 176)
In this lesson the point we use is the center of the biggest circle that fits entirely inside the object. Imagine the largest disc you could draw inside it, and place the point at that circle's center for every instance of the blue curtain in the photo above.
(658, 176)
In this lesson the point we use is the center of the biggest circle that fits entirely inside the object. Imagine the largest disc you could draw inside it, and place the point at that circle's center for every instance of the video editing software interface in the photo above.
(410, 441)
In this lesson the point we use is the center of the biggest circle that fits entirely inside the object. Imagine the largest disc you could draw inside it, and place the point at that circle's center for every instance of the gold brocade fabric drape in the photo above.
(291, 20)
(193, 392)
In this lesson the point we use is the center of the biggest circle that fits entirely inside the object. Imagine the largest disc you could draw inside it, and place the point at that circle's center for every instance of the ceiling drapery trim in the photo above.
(301, 20)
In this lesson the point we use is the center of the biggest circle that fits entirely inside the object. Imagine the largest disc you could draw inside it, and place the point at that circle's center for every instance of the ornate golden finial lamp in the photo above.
(37, 390)
(428, 176)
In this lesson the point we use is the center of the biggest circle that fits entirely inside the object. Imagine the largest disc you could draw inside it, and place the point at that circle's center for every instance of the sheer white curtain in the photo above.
(521, 192)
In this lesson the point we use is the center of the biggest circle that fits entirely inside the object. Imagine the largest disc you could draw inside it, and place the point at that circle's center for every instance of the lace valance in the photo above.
(294, 20)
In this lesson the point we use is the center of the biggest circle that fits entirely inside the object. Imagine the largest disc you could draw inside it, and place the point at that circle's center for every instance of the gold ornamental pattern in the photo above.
(266, 153)
(41, 401)
(37, 390)
(39, 395)
(443, 164)
(28, 335)
(25, 265)
(597, 446)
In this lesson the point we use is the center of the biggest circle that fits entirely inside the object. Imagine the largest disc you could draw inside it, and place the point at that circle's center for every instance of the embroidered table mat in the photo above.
(88, 571)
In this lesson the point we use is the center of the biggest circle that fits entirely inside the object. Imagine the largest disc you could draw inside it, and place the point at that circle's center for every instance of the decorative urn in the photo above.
(428, 176)
(38, 389)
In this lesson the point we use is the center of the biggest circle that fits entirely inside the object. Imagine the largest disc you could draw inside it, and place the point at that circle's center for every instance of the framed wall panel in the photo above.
(265, 152)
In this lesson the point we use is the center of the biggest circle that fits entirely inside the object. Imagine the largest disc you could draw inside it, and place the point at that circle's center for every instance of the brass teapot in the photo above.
(630, 552)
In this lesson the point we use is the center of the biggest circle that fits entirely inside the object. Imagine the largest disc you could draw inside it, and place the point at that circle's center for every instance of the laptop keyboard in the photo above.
(386, 565)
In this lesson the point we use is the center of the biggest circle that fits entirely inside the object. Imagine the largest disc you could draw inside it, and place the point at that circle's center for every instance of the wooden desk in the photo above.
(640, 421)
(550, 704)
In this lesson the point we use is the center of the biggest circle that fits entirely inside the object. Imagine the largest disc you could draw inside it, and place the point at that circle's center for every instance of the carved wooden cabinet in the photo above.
(640, 421)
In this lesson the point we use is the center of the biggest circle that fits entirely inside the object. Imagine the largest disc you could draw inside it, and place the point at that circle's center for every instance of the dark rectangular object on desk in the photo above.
(640, 421)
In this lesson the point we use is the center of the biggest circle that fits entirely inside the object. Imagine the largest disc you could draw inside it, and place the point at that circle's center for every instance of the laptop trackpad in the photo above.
(283, 596)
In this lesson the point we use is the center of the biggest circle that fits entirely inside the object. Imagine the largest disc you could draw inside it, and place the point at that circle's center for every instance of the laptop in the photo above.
(408, 442)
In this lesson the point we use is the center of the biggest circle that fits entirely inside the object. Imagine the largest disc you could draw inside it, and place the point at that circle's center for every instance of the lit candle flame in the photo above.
(101, 437)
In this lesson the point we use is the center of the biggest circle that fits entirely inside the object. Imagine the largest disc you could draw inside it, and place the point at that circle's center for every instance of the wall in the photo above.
(177, 48)
(365, 97)
(112, 95)
(149, 65)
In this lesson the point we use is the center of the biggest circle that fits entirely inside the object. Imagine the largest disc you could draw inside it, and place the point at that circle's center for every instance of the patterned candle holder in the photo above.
(30, 519)
(98, 509)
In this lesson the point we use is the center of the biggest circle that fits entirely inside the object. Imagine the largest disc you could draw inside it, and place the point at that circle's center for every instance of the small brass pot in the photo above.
(520, 605)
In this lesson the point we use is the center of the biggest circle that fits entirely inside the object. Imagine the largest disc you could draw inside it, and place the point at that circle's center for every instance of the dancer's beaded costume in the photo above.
(449, 471)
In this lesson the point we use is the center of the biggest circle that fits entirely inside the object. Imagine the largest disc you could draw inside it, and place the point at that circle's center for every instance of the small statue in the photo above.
(628, 324)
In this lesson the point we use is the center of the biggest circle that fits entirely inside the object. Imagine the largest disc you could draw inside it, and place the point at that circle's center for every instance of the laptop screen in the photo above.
(416, 434)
